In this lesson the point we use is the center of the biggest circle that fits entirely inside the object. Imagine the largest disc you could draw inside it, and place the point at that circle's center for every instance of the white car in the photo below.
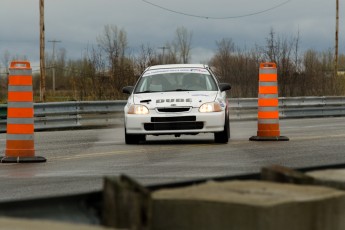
(177, 99)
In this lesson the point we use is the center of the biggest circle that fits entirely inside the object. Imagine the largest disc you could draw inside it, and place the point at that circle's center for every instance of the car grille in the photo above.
(173, 110)
(173, 119)
(173, 123)
(159, 126)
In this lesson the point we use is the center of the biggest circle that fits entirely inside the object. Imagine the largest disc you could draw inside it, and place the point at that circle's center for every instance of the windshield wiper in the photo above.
(180, 90)
(149, 91)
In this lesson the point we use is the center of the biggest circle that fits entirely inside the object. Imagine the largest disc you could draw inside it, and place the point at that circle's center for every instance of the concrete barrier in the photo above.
(249, 205)
(24, 224)
(334, 178)
(283, 199)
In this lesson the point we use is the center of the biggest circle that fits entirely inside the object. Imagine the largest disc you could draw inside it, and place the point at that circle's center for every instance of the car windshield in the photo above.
(176, 80)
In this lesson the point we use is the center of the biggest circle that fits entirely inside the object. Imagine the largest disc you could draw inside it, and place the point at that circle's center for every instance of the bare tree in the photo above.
(6, 59)
(113, 42)
(297, 67)
(145, 58)
(237, 67)
(327, 60)
(284, 52)
(182, 42)
(222, 59)
(312, 76)
(272, 46)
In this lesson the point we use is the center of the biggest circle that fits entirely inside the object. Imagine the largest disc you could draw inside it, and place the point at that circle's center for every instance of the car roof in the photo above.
(172, 66)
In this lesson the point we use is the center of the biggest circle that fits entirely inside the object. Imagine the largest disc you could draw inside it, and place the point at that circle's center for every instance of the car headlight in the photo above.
(210, 107)
(138, 109)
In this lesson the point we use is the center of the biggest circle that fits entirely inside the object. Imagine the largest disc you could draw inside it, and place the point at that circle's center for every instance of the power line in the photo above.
(216, 18)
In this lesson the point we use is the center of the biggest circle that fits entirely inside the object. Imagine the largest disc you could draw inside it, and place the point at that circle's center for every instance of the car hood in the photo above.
(180, 99)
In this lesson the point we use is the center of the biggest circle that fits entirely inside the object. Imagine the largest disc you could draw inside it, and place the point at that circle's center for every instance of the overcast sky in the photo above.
(77, 23)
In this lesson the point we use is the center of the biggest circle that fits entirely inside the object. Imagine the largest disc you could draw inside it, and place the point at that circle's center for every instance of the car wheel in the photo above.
(223, 136)
(134, 138)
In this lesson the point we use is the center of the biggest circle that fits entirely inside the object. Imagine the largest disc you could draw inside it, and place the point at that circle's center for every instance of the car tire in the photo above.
(131, 139)
(223, 136)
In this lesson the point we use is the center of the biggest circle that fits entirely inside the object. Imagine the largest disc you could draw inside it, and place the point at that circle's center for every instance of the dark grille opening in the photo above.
(174, 126)
(172, 110)
(172, 119)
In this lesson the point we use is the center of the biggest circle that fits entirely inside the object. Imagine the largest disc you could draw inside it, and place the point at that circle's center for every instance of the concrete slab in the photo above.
(334, 178)
(249, 205)
(25, 224)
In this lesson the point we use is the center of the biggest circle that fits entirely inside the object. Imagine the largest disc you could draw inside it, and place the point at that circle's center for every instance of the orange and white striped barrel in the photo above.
(268, 104)
(20, 115)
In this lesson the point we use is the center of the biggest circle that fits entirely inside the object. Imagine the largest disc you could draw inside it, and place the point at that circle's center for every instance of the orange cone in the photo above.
(268, 105)
(20, 116)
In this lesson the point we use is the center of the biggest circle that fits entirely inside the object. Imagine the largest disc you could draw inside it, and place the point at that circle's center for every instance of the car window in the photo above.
(176, 80)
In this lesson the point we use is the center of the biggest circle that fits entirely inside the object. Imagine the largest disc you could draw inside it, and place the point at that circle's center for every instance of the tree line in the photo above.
(308, 73)
(110, 65)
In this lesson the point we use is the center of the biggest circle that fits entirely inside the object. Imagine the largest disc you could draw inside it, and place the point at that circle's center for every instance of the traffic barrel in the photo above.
(20, 116)
(268, 105)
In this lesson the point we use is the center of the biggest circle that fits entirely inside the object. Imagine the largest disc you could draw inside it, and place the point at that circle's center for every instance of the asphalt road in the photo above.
(78, 160)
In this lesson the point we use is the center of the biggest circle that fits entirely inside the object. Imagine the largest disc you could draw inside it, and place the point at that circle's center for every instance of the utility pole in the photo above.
(54, 41)
(163, 48)
(42, 58)
(336, 39)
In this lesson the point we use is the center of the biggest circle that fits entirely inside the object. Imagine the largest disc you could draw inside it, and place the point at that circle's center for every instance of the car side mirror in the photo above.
(224, 86)
(127, 89)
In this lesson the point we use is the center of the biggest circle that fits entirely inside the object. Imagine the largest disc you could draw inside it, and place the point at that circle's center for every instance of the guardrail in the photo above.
(290, 107)
(64, 115)
(74, 114)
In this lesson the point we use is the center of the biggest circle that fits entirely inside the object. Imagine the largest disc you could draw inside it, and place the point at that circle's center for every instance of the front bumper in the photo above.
(191, 122)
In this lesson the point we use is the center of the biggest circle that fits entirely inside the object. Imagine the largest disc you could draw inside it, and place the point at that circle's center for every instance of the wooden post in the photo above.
(42, 58)
(336, 39)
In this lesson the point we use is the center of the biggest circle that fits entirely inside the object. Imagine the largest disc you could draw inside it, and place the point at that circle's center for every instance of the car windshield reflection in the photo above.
(170, 82)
